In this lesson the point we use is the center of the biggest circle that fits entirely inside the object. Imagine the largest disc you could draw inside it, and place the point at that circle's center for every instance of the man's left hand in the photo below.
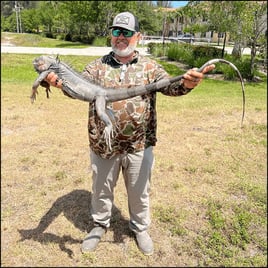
(192, 78)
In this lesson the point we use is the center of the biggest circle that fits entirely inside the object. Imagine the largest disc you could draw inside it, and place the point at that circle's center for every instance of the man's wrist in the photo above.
(181, 84)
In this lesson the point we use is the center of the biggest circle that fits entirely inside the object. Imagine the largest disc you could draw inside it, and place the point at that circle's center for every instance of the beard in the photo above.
(125, 52)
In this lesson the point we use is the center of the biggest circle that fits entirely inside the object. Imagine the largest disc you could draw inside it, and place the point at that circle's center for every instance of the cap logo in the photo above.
(122, 20)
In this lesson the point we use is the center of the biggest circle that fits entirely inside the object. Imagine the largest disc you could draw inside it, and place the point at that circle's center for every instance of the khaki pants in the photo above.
(136, 169)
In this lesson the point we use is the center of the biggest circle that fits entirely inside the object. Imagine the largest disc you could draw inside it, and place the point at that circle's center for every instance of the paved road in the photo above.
(246, 51)
(89, 51)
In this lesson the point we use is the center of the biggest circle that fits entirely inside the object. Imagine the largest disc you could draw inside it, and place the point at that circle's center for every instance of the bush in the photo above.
(108, 41)
(76, 38)
(157, 49)
(87, 39)
(100, 41)
(181, 52)
(198, 62)
(202, 54)
(82, 38)
(49, 35)
(244, 68)
(242, 65)
(152, 48)
(68, 37)
(205, 51)
(196, 56)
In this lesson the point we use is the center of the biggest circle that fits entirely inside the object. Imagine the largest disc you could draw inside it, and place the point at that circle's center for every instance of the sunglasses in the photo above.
(126, 33)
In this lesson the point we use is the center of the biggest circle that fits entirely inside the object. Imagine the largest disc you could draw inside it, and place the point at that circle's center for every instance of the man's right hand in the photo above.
(54, 80)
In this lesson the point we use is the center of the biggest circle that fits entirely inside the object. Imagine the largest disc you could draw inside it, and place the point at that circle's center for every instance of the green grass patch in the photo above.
(171, 218)
(35, 40)
(228, 235)
(172, 69)
(23, 71)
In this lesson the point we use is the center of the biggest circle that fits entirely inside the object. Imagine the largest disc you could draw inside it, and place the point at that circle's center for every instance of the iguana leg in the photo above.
(46, 85)
(101, 111)
(36, 84)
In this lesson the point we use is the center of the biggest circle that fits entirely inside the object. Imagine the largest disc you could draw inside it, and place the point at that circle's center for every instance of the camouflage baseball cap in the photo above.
(127, 21)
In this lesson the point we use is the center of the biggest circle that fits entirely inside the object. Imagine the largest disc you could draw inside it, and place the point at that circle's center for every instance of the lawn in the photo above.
(208, 193)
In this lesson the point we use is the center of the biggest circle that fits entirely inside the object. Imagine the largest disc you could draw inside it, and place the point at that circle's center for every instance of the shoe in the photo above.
(145, 243)
(92, 239)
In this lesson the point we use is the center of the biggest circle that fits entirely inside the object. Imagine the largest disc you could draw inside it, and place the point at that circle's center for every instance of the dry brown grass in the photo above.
(203, 157)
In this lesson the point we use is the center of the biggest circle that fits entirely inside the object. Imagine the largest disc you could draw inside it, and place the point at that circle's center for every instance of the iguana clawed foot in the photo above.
(108, 135)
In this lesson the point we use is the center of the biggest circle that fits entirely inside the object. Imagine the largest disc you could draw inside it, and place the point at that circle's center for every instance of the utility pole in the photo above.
(18, 17)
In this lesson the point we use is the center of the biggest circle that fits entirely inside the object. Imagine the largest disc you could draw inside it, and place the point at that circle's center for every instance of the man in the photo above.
(134, 131)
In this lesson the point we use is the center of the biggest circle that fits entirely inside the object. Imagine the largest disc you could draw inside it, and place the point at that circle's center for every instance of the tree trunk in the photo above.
(223, 47)
(164, 29)
(252, 59)
(237, 50)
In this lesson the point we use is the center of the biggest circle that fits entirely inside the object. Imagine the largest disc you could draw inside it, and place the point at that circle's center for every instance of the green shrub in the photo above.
(158, 50)
(198, 62)
(76, 38)
(48, 35)
(244, 68)
(68, 37)
(206, 51)
(108, 41)
(173, 52)
(180, 52)
(60, 36)
(100, 41)
(151, 47)
(83, 38)
(196, 56)
(243, 65)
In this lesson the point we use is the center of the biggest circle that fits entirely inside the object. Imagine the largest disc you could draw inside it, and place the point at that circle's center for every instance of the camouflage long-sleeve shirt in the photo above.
(134, 119)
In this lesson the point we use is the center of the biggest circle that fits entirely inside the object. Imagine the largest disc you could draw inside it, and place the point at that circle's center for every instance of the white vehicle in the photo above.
(187, 38)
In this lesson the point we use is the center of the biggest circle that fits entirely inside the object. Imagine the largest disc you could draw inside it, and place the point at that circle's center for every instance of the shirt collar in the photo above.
(134, 59)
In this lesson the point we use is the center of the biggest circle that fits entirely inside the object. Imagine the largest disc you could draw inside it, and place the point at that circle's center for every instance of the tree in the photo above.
(149, 17)
(244, 20)
(220, 19)
(178, 16)
(47, 12)
(80, 17)
(31, 20)
(254, 29)
(6, 8)
(163, 3)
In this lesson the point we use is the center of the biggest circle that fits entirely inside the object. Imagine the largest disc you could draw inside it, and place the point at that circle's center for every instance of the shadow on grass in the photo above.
(75, 206)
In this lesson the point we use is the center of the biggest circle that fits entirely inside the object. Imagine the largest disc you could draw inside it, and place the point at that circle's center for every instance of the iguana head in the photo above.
(43, 63)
